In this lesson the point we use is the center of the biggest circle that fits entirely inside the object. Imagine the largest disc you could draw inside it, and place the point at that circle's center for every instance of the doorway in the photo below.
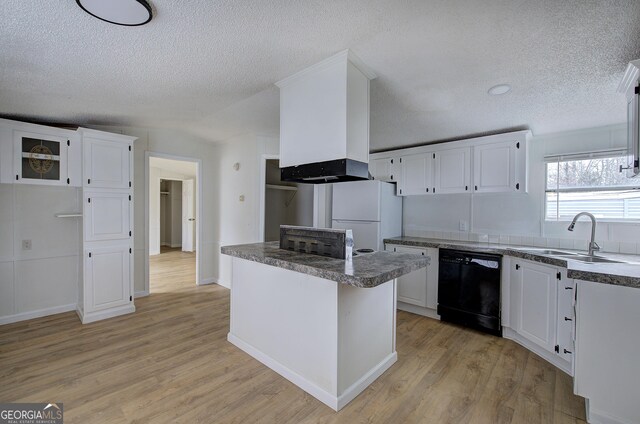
(285, 203)
(173, 228)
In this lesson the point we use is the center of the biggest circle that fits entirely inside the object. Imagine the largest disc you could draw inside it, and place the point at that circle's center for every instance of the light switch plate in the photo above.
(464, 226)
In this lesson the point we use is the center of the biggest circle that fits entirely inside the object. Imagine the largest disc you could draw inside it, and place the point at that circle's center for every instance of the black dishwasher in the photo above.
(469, 289)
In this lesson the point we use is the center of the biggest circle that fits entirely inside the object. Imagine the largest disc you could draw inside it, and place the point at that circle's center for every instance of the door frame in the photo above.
(199, 182)
(263, 190)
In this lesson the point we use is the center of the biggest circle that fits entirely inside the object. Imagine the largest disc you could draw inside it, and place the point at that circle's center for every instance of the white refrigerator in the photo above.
(370, 209)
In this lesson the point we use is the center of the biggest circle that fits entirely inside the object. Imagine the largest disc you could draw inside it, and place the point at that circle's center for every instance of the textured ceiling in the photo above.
(208, 67)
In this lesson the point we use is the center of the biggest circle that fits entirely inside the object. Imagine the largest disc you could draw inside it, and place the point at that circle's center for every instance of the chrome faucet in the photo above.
(593, 246)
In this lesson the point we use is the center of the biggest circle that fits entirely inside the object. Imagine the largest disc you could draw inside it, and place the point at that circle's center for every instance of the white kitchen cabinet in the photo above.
(107, 289)
(418, 290)
(106, 215)
(106, 161)
(607, 345)
(537, 304)
(37, 154)
(416, 174)
(42, 157)
(385, 168)
(498, 167)
(412, 287)
(452, 170)
(565, 325)
(107, 279)
(541, 314)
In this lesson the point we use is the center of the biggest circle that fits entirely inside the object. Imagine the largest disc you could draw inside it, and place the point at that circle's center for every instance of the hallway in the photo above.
(172, 270)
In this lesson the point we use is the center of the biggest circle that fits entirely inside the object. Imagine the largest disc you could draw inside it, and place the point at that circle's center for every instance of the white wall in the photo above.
(43, 280)
(239, 221)
(496, 217)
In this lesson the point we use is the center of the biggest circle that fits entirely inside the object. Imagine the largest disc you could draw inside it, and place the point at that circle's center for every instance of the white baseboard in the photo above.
(89, 317)
(331, 400)
(418, 310)
(154, 252)
(206, 281)
(23, 316)
(142, 293)
(359, 386)
(550, 357)
(174, 245)
(595, 416)
(224, 284)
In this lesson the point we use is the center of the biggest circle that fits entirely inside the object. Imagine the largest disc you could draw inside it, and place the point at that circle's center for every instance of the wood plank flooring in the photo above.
(170, 362)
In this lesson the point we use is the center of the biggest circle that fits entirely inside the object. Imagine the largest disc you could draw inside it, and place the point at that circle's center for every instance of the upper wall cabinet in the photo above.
(36, 154)
(385, 168)
(106, 161)
(417, 174)
(490, 164)
(498, 167)
(452, 171)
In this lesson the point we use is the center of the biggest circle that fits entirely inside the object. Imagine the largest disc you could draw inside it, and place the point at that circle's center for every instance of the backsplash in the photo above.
(505, 239)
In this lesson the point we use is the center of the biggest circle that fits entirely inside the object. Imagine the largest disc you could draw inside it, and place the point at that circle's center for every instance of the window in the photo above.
(593, 183)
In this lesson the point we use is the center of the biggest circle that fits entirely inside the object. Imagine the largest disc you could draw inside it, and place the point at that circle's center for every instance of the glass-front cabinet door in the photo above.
(40, 159)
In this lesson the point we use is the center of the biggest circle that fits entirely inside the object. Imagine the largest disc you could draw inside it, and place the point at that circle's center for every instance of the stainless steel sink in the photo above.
(571, 256)
(548, 252)
(593, 259)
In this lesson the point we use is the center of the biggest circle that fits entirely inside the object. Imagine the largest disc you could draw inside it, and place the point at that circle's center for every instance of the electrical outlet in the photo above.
(464, 226)
(26, 244)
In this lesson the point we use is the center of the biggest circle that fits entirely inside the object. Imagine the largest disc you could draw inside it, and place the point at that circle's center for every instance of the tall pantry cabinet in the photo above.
(107, 233)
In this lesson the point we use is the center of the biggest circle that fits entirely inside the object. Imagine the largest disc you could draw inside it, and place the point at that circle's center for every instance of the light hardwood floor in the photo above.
(170, 362)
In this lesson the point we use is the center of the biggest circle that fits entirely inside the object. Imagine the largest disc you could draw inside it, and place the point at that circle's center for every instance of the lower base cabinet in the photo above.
(418, 290)
(107, 282)
(541, 311)
(607, 370)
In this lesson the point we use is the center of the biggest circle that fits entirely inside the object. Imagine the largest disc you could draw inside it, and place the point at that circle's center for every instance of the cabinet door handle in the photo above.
(517, 266)
(567, 319)
(567, 351)
(568, 288)
(466, 188)
(392, 176)
(476, 188)
(427, 189)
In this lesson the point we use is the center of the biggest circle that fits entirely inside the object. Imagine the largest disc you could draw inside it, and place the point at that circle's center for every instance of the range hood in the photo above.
(324, 122)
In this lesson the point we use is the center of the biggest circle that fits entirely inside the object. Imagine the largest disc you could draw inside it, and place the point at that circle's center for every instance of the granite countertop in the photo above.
(364, 270)
(622, 274)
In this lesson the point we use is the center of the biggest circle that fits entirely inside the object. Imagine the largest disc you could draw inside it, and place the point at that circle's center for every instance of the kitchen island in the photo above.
(327, 325)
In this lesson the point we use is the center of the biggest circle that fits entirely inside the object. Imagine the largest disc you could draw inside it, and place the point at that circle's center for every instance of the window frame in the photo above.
(596, 154)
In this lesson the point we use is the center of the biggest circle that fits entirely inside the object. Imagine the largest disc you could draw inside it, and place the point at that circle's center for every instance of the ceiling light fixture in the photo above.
(499, 89)
(118, 12)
